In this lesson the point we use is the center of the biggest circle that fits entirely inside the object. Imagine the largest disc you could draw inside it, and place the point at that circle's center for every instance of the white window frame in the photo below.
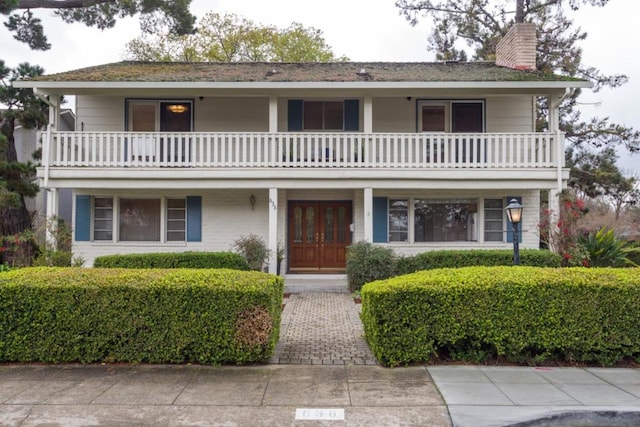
(164, 217)
(447, 103)
(157, 103)
(323, 101)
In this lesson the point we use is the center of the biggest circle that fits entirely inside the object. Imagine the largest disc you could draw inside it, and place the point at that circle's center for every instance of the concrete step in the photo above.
(296, 283)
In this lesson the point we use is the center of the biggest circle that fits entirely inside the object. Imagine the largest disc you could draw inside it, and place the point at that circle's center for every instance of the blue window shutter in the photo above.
(351, 114)
(194, 219)
(294, 115)
(380, 220)
(510, 224)
(83, 219)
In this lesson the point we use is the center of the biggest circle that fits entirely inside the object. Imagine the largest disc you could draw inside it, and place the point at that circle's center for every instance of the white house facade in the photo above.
(310, 157)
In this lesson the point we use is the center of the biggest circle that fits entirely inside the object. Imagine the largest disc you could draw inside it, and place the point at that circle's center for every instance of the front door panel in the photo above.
(319, 233)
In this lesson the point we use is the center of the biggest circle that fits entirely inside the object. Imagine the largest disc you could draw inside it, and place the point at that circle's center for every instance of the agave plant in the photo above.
(606, 250)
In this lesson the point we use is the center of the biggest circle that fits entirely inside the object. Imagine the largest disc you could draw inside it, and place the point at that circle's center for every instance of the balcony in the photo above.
(374, 151)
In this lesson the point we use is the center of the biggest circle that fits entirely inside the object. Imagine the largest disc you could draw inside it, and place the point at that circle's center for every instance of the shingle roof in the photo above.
(130, 71)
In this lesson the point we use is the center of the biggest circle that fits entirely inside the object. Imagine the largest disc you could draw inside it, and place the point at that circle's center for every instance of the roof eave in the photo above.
(60, 85)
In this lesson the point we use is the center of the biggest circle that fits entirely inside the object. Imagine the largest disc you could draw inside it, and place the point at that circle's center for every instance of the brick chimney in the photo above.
(517, 49)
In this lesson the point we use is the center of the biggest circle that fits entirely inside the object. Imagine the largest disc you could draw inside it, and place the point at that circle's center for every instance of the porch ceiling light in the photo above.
(177, 108)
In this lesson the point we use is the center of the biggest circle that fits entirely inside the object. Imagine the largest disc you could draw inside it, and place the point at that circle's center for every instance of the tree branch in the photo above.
(59, 4)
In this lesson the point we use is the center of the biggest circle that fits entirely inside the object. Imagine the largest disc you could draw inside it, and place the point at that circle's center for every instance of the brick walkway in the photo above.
(322, 328)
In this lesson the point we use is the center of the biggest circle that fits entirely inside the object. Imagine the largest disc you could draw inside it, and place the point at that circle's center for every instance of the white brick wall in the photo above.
(227, 215)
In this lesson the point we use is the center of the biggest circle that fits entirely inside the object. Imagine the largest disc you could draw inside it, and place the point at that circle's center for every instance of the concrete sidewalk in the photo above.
(479, 396)
(284, 395)
(273, 395)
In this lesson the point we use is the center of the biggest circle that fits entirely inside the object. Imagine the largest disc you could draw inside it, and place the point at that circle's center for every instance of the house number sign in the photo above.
(319, 414)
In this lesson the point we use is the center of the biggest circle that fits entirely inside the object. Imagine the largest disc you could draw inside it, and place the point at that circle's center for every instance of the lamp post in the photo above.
(514, 212)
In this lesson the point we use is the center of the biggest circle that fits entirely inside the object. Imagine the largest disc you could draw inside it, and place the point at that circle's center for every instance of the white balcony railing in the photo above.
(302, 150)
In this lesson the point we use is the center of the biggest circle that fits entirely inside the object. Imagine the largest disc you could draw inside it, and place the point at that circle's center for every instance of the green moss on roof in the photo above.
(131, 71)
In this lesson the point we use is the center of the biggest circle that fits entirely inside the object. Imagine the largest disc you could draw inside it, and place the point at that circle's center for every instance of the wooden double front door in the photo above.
(319, 233)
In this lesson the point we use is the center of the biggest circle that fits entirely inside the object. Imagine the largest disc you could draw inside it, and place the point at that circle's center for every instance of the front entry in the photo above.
(319, 233)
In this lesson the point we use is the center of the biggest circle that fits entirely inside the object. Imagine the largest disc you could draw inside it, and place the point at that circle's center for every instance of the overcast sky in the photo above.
(363, 30)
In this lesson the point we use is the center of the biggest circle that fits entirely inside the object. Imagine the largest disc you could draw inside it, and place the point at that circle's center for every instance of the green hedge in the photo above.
(154, 316)
(521, 314)
(475, 257)
(174, 260)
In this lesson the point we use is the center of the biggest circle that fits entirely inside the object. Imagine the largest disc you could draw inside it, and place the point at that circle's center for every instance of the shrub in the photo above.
(367, 262)
(254, 250)
(476, 257)
(606, 250)
(633, 254)
(174, 260)
(521, 314)
(156, 316)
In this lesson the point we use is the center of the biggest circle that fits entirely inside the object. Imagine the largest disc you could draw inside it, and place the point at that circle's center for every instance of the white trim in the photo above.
(305, 85)
(368, 214)
(273, 230)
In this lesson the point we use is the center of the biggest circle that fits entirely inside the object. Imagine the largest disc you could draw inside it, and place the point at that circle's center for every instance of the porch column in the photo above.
(273, 114)
(554, 211)
(368, 114)
(52, 215)
(273, 230)
(368, 214)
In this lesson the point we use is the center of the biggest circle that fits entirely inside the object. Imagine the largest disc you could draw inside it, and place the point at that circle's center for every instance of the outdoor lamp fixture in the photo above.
(177, 108)
(252, 201)
(514, 212)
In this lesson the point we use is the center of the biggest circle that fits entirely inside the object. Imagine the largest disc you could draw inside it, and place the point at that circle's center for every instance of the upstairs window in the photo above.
(323, 115)
(338, 115)
(451, 116)
(163, 116)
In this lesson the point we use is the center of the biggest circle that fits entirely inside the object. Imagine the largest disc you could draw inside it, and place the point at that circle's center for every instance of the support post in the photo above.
(52, 216)
(273, 114)
(273, 230)
(368, 114)
(368, 215)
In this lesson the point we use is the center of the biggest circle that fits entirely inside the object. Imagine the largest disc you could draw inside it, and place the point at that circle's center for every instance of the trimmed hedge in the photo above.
(521, 314)
(475, 257)
(154, 316)
(174, 260)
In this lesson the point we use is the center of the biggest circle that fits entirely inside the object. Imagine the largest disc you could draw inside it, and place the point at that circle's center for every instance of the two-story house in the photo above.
(312, 156)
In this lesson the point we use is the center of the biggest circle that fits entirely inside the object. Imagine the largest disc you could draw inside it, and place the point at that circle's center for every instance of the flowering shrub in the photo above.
(18, 250)
(561, 231)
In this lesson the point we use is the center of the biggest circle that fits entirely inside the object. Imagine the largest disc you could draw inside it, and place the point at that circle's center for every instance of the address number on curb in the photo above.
(319, 414)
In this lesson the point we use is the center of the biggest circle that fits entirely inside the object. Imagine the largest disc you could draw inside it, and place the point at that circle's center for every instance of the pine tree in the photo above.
(17, 178)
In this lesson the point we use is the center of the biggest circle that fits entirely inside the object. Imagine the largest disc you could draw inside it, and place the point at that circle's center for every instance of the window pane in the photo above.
(493, 220)
(297, 224)
(466, 117)
(328, 225)
(140, 219)
(333, 115)
(176, 203)
(313, 115)
(103, 218)
(433, 118)
(176, 219)
(311, 224)
(175, 117)
(175, 236)
(398, 220)
(445, 220)
(342, 226)
(143, 117)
